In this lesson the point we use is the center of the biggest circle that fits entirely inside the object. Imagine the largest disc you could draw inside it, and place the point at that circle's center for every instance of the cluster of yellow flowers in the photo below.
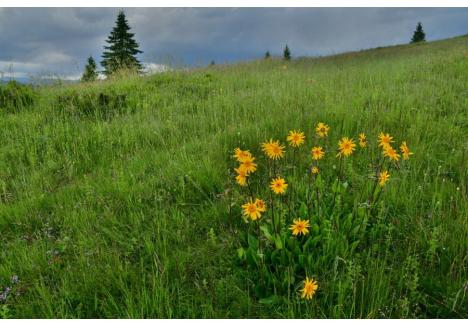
(254, 209)
(274, 150)
(246, 166)
(385, 141)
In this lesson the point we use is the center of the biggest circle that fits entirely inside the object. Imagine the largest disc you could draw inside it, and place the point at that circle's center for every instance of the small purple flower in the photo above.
(4, 294)
(14, 279)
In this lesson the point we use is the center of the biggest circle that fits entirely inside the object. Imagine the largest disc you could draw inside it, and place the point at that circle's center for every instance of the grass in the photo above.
(130, 214)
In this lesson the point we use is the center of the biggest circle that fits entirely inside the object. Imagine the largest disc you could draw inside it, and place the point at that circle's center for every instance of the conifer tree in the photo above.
(267, 55)
(418, 35)
(90, 73)
(121, 51)
(287, 53)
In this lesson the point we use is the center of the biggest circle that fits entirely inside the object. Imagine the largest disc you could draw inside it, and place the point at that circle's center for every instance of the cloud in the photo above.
(59, 40)
(154, 68)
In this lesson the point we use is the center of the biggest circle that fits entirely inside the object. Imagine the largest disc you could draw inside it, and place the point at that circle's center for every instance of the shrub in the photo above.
(102, 105)
(15, 97)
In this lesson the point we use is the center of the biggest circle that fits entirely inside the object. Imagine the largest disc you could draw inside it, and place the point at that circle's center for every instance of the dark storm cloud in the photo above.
(58, 40)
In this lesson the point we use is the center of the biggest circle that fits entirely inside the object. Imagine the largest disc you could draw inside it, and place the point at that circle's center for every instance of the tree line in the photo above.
(121, 51)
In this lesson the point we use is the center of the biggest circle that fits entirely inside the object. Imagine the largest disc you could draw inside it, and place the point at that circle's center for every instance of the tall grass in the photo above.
(131, 214)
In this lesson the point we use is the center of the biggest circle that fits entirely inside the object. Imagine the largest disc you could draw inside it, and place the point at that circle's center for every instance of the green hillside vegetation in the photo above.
(117, 198)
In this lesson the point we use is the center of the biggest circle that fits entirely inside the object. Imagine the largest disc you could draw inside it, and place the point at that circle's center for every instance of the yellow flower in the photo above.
(322, 129)
(248, 164)
(295, 138)
(241, 180)
(241, 155)
(346, 146)
(251, 210)
(241, 177)
(300, 227)
(309, 289)
(315, 170)
(391, 153)
(273, 149)
(278, 185)
(261, 206)
(405, 151)
(385, 140)
(362, 140)
(383, 178)
(317, 153)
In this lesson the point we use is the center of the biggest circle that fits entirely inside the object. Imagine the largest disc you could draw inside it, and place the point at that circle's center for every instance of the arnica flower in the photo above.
(295, 138)
(300, 227)
(315, 170)
(405, 151)
(385, 140)
(249, 165)
(241, 177)
(251, 210)
(346, 146)
(322, 130)
(309, 289)
(362, 140)
(317, 153)
(273, 149)
(261, 206)
(391, 153)
(241, 155)
(383, 178)
(278, 185)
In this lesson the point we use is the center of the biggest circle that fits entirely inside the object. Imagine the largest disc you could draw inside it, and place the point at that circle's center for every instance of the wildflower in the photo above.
(251, 210)
(362, 140)
(241, 155)
(322, 130)
(261, 206)
(385, 140)
(273, 149)
(317, 153)
(241, 177)
(241, 180)
(346, 146)
(405, 151)
(295, 138)
(383, 178)
(4, 294)
(391, 153)
(300, 227)
(249, 165)
(315, 170)
(278, 185)
(309, 289)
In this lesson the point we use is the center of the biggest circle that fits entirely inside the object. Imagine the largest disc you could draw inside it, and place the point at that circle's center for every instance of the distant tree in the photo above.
(267, 55)
(287, 53)
(212, 63)
(418, 35)
(90, 73)
(122, 49)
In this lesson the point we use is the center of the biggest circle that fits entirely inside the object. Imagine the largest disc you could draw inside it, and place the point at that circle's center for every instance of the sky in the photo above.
(57, 41)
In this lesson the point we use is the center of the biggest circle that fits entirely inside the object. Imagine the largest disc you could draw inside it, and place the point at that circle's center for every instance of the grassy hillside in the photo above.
(117, 198)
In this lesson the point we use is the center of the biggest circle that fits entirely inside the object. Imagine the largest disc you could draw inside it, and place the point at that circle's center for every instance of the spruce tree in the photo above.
(90, 73)
(418, 35)
(122, 49)
(287, 53)
(267, 55)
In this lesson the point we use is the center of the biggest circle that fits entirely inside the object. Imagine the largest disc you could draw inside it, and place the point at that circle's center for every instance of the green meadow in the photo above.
(118, 199)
